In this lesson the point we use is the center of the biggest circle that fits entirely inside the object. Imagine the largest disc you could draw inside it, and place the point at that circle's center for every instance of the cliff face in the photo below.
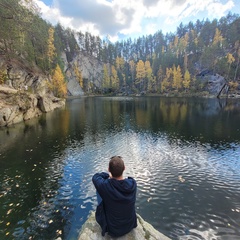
(91, 70)
(24, 94)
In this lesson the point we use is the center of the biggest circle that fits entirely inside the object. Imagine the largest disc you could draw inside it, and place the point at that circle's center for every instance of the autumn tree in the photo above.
(230, 60)
(114, 78)
(218, 38)
(140, 74)
(58, 85)
(167, 80)
(106, 79)
(120, 70)
(151, 81)
(51, 51)
(177, 77)
(78, 75)
(186, 80)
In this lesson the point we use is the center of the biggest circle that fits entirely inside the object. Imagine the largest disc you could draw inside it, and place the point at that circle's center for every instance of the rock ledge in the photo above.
(92, 231)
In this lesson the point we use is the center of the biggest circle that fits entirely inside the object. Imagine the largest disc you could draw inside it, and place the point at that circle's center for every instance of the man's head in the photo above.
(116, 166)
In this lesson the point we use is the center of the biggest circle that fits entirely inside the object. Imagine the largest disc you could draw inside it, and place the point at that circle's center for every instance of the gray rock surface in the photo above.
(19, 105)
(92, 231)
(215, 84)
(91, 70)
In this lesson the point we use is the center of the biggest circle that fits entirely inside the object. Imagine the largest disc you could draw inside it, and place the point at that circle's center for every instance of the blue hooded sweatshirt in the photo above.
(116, 213)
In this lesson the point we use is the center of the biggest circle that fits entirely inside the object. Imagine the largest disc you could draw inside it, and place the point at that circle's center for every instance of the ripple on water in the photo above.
(188, 190)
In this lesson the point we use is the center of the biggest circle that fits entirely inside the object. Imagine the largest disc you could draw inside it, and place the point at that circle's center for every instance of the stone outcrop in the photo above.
(91, 70)
(92, 231)
(215, 83)
(24, 94)
(19, 105)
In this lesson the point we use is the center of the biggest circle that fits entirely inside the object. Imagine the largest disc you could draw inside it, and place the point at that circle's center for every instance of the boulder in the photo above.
(48, 103)
(215, 83)
(92, 231)
(10, 115)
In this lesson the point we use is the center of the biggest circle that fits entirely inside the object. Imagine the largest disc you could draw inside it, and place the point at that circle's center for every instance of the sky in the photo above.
(121, 19)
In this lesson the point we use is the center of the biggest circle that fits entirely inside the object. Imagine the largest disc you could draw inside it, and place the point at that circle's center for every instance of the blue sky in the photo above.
(132, 18)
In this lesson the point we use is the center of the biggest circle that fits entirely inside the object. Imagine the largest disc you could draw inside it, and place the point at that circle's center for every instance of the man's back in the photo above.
(119, 198)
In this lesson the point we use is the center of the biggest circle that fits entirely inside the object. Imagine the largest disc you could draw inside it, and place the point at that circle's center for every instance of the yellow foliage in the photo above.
(51, 51)
(187, 79)
(166, 83)
(140, 70)
(114, 78)
(230, 58)
(106, 78)
(218, 38)
(177, 77)
(58, 84)
(119, 63)
(78, 74)
(233, 85)
(3, 76)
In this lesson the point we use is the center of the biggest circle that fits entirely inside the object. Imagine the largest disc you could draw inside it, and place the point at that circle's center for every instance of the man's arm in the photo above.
(99, 178)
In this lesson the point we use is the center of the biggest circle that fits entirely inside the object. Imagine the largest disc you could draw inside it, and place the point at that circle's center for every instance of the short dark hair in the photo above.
(116, 166)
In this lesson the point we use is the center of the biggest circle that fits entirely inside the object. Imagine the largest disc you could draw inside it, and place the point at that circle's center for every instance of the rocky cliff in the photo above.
(24, 94)
(91, 231)
(19, 105)
(91, 70)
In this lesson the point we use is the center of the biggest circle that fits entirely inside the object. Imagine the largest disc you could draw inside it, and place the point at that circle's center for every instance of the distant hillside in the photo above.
(76, 63)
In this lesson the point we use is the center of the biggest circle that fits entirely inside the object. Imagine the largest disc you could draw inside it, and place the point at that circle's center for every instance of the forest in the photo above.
(158, 63)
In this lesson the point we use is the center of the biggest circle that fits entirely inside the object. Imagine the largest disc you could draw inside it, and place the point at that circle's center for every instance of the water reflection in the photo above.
(184, 154)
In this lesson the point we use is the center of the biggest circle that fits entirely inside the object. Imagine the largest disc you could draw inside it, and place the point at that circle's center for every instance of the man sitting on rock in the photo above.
(116, 199)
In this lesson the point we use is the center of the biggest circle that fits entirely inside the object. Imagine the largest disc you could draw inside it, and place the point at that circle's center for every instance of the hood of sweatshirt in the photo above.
(122, 189)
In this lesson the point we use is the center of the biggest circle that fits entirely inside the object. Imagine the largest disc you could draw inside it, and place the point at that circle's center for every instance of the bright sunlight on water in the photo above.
(184, 154)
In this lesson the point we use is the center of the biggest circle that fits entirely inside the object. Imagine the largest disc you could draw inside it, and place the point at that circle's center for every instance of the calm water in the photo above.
(184, 154)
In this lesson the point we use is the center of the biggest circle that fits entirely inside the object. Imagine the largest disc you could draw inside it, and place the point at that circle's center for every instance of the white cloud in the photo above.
(130, 17)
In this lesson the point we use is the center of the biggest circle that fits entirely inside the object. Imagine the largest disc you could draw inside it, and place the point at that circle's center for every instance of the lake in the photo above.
(183, 152)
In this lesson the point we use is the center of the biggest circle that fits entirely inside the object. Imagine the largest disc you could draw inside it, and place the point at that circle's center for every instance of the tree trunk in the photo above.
(224, 85)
